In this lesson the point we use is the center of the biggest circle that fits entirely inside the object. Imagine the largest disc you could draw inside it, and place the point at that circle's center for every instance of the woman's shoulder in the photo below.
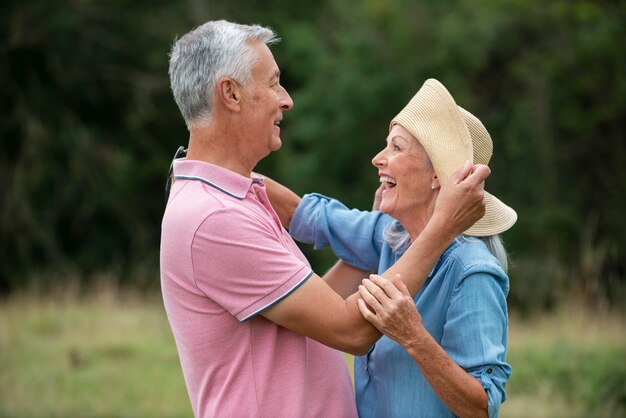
(469, 262)
(470, 255)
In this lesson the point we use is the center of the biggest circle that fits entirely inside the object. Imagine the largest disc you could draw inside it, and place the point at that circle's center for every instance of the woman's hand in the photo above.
(393, 312)
(390, 308)
(461, 202)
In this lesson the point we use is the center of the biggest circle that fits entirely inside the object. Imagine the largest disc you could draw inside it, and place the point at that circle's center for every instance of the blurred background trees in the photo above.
(88, 125)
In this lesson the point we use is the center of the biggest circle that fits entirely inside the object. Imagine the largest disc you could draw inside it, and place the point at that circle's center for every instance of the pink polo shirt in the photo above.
(224, 258)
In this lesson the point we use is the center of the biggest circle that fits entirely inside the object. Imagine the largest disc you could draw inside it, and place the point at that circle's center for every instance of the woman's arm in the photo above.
(342, 277)
(354, 236)
(316, 311)
(393, 312)
(284, 200)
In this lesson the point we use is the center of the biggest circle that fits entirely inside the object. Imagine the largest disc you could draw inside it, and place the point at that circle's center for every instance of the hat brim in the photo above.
(498, 218)
(445, 132)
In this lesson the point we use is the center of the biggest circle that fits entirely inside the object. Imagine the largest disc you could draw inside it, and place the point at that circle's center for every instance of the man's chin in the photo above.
(275, 145)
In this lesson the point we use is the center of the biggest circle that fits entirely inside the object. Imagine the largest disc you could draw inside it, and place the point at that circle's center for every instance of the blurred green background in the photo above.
(88, 128)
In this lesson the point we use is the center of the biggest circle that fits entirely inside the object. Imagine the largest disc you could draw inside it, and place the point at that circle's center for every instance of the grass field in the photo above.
(107, 357)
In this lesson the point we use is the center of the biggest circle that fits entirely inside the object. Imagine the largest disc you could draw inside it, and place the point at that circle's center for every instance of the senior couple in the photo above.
(258, 333)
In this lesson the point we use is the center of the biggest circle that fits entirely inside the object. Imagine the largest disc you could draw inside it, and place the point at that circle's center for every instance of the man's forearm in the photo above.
(316, 311)
(344, 278)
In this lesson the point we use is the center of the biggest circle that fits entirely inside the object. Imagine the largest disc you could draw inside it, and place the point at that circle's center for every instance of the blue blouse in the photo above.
(462, 303)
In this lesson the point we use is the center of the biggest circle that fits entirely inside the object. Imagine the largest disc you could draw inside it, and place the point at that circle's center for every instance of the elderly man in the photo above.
(256, 329)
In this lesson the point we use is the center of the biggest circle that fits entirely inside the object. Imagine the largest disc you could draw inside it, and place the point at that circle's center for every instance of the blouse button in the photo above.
(489, 370)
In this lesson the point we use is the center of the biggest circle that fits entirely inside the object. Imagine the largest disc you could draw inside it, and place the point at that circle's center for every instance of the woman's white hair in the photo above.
(210, 51)
(398, 238)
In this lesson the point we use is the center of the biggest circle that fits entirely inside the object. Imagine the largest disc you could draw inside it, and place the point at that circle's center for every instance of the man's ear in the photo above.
(229, 93)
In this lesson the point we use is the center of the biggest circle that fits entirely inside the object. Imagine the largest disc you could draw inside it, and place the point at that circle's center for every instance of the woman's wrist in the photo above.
(438, 230)
(417, 340)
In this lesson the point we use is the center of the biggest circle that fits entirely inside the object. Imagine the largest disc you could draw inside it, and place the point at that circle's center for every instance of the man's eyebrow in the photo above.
(276, 75)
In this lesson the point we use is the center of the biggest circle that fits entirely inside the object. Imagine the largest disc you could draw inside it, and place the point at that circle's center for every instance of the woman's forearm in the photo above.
(462, 393)
(283, 200)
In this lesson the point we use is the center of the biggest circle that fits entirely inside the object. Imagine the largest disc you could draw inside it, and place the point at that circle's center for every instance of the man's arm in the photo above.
(344, 278)
(318, 312)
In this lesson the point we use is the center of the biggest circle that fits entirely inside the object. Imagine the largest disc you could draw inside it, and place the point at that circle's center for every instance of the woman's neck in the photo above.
(415, 222)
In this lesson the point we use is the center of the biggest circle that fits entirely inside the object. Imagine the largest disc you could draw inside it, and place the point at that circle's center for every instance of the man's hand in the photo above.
(461, 200)
(378, 197)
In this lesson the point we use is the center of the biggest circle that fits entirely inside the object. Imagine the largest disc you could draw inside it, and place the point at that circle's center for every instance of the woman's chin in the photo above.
(386, 209)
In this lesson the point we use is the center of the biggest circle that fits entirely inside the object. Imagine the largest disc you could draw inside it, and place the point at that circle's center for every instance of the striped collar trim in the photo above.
(222, 179)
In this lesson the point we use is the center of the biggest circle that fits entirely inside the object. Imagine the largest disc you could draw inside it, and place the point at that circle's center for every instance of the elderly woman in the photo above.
(448, 359)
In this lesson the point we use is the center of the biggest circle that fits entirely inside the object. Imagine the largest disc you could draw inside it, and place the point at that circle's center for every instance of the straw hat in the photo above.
(451, 135)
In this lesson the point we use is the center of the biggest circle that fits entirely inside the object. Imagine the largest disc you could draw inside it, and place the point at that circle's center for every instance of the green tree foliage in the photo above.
(88, 124)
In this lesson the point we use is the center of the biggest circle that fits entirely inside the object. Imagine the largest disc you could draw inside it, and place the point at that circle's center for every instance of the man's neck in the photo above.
(219, 148)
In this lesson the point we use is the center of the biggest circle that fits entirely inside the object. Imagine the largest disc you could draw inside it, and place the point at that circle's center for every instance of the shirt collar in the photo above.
(221, 178)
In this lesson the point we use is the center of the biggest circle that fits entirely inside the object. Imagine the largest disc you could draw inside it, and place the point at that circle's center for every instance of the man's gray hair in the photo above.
(210, 51)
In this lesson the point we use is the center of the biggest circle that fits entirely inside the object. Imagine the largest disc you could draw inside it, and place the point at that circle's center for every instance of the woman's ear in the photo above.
(434, 183)
(229, 93)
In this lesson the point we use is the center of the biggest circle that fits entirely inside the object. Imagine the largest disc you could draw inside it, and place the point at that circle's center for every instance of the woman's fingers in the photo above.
(367, 314)
(390, 288)
(397, 281)
(376, 291)
(388, 306)
(369, 298)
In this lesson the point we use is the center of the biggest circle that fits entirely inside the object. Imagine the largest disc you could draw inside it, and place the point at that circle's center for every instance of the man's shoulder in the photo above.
(195, 206)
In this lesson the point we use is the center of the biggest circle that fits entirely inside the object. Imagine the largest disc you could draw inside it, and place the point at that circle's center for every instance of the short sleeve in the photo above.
(355, 236)
(476, 332)
(243, 265)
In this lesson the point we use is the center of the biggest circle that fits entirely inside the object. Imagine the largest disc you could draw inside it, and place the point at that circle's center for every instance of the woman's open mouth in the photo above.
(388, 182)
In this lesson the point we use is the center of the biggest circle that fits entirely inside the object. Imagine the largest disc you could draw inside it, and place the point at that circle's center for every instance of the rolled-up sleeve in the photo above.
(476, 331)
(355, 236)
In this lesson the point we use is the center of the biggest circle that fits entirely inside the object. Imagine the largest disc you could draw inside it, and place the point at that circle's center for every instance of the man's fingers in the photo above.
(378, 196)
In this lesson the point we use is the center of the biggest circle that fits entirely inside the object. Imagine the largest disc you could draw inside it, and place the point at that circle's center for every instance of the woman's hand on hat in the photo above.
(461, 200)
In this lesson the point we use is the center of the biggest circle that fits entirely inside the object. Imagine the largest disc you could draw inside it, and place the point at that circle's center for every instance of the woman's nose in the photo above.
(379, 159)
